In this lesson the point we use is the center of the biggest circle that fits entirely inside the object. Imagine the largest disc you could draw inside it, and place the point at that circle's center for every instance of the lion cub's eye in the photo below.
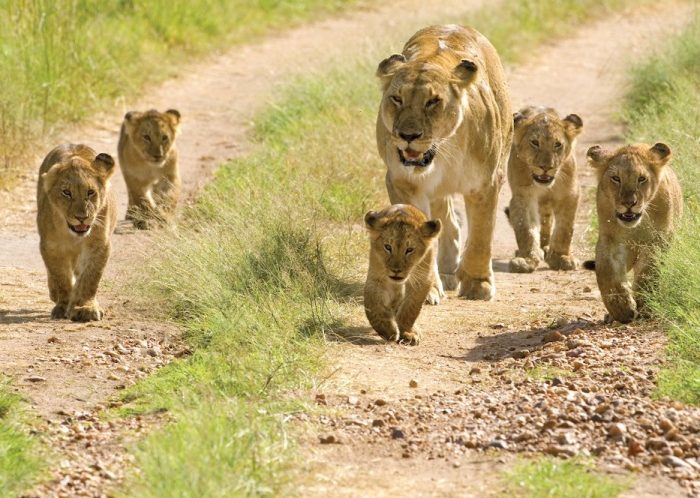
(615, 179)
(643, 179)
(91, 193)
(146, 138)
(557, 145)
(535, 143)
(396, 99)
(165, 139)
(67, 193)
(432, 102)
(409, 250)
(387, 248)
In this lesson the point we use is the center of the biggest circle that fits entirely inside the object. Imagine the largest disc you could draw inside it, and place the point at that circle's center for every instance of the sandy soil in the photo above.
(71, 371)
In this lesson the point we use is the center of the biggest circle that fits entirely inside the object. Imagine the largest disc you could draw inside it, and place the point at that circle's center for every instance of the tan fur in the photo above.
(634, 179)
(401, 241)
(148, 159)
(74, 191)
(446, 94)
(543, 214)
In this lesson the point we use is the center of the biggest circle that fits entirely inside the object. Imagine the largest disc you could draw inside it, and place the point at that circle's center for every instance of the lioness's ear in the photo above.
(49, 178)
(661, 153)
(174, 116)
(104, 164)
(466, 71)
(431, 229)
(597, 156)
(573, 124)
(387, 68)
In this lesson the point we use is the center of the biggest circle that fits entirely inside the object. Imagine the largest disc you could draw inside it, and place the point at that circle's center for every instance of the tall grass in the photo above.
(19, 459)
(63, 60)
(664, 105)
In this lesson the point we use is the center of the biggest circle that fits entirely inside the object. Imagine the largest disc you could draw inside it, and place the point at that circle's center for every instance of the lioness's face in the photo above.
(422, 106)
(544, 142)
(153, 133)
(77, 190)
(400, 240)
(629, 178)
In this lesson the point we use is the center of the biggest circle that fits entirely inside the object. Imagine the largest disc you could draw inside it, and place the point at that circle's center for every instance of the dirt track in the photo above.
(83, 364)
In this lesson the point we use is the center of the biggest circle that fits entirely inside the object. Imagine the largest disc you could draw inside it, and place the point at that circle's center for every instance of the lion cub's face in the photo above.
(628, 179)
(152, 132)
(77, 189)
(544, 142)
(422, 106)
(400, 236)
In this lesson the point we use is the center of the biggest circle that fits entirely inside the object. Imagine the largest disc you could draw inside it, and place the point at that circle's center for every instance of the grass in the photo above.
(555, 478)
(259, 272)
(64, 60)
(19, 460)
(664, 106)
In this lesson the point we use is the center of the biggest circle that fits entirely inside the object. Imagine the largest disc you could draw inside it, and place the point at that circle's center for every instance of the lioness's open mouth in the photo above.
(411, 157)
(629, 216)
(79, 229)
(543, 179)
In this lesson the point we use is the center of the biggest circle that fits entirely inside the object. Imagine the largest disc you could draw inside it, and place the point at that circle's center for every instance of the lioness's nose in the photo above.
(629, 202)
(409, 137)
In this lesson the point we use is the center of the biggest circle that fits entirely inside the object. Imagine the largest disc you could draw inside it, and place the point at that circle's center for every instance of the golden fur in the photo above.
(542, 178)
(76, 216)
(444, 128)
(148, 159)
(639, 203)
(400, 270)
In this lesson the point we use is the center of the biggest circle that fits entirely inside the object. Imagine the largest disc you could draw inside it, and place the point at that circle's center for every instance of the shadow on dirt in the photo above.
(19, 316)
(360, 336)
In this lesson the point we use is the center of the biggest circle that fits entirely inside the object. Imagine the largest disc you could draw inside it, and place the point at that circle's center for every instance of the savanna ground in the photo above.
(275, 347)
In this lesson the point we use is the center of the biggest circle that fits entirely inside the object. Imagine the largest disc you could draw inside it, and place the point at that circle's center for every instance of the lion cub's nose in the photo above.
(409, 137)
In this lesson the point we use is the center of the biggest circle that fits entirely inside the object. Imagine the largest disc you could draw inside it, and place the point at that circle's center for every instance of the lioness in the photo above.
(77, 214)
(639, 203)
(400, 270)
(148, 159)
(542, 177)
(445, 127)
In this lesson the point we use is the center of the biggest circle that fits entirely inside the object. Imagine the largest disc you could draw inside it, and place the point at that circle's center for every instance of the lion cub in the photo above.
(543, 180)
(639, 203)
(148, 159)
(76, 216)
(400, 270)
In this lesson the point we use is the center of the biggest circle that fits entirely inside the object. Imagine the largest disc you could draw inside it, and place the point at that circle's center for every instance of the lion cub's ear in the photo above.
(104, 163)
(174, 117)
(371, 220)
(597, 156)
(660, 154)
(466, 71)
(573, 125)
(387, 68)
(130, 120)
(431, 229)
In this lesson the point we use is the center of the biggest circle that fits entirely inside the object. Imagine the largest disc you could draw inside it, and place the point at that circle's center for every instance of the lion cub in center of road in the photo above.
(148, 159)
(400, 270)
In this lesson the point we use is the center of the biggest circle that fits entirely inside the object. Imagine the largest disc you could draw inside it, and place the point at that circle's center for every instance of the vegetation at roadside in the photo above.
(556, 478)
(258, 273)
(19, 459)
(63, 60)
(664, 106)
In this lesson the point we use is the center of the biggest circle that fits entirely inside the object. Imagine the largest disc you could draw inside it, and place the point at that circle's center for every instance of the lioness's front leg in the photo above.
(83, 305)
(475, 273)
(524, 218)
(615, 289)
(60, 274)
(450, 241)
(559, 255)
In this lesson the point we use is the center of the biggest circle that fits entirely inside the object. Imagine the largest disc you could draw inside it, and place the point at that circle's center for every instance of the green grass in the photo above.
(258, 273)
(554, 478)
(19, 459)
(63, 60)
(664, 106)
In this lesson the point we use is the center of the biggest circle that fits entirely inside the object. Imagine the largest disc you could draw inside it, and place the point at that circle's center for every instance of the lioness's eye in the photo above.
(557, 145)
(432, 102)
(616, 179)
(67, 193)
(387, 248)
(409, 250)
(147, 138)
(642, 179)
(535, 143)
(90, 193)
(396, 99)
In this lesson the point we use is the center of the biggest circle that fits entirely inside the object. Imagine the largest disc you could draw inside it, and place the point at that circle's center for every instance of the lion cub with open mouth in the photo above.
(400, 272)
(639, 204)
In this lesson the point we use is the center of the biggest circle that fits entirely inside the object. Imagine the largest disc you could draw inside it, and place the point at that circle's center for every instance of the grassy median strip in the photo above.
(664, 106)
(20, 463)
(258, 272)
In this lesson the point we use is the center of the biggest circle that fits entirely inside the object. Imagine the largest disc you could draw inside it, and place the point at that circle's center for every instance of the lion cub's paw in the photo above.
(434, 296)
(477, 289)
(59, 311)
(410, 337)
(89, 313)
(563, 262)
(522, 265)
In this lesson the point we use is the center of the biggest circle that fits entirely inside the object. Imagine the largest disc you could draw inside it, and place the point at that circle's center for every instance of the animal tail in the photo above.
(589, 264)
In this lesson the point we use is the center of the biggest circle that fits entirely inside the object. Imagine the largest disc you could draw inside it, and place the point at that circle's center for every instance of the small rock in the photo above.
(413, 383)
(498, 326)
(617, 431)
(36, 378)
(329, 439)
(52, 340)
(321, 399)
(587, 289)
(397, 433)
(353, 400)
(475, 370)
(498, 444)
(380, 402)
(154, 351)
(554, 336)
(674, 461)
(577, 365)
(634, 448)
(566, 438)
(534, 290)
(518, 355)
(666, 425)
(377, 422)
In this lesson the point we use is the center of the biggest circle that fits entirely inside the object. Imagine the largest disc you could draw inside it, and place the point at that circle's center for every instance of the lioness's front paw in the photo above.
(523, 265)
(434, 296)
(449, 281)
(89, 313)
(563, 262)
(59, 311)
(477, 289)
(410, 337)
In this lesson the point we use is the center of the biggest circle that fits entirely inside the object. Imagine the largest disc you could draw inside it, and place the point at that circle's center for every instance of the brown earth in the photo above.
(69, 372)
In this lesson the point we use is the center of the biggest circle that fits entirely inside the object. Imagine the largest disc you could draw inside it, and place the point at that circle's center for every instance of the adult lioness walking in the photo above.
(445, 127)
